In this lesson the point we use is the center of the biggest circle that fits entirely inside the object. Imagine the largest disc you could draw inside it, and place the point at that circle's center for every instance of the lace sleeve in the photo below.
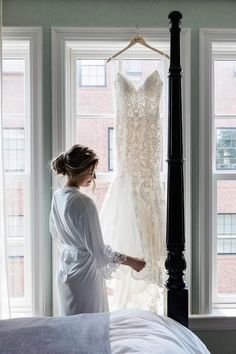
(107, 260)
(114, 259)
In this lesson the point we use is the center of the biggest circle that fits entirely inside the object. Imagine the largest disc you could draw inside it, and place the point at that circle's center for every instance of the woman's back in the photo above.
(68, 205)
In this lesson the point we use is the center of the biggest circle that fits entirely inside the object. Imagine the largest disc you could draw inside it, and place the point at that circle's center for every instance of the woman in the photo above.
(85, 261)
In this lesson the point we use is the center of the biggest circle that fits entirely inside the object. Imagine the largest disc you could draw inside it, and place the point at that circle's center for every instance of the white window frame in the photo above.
(208, 300)
(35, 303)
(62, 39)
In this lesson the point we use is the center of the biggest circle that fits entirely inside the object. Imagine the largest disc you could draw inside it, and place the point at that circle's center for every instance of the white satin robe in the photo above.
(85, 261)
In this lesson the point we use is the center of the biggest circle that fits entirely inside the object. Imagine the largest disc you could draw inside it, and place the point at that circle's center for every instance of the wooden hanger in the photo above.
(140, 40)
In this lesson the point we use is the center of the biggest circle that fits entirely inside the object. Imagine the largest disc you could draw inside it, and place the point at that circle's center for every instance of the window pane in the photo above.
(133, 68)
(15, 200)
(93, 133)
(226, 237)
(225, 87)
(92, 76)
(13, 86)
(14, 149)
(97, 99)
(101, 191)
(225, 144)
(15, 226)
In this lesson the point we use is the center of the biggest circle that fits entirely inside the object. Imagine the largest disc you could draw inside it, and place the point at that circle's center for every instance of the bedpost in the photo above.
(177, 294)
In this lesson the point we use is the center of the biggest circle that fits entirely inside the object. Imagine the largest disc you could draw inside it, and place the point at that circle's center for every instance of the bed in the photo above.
(128, 331)
(125, 331)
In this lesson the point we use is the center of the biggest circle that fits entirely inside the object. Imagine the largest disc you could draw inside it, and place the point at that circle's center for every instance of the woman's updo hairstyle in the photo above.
(75, 162)
(58, 164)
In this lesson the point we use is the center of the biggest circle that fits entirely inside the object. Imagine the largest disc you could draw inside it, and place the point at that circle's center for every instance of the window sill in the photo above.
(219, 320)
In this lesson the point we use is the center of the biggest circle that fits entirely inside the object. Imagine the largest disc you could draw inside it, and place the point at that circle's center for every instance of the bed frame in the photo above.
(177, 294)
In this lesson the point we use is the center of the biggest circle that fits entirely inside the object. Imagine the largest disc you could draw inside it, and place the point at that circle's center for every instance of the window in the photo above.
(134, 69)
(226, 251)
(226, 149)
(14, 148)
(22, 146)
(226, 224)
(226, 246)
(91, 73)
(90, 113)
(218, 169)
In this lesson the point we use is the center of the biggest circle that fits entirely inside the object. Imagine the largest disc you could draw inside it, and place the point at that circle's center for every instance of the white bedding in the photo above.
(122, 332)
(143, 332)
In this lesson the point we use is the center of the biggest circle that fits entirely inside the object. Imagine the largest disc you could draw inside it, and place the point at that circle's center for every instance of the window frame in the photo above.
(209, 301)
(62, 39)
(35, 303)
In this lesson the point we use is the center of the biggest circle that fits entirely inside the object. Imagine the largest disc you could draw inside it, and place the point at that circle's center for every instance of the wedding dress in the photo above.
(133, 214)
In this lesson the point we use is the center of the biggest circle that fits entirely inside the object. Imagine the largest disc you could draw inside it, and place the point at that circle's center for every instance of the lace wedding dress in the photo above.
(133, 214)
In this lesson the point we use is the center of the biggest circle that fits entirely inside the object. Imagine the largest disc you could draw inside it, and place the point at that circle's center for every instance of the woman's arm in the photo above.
(107, 259)
(135, 263)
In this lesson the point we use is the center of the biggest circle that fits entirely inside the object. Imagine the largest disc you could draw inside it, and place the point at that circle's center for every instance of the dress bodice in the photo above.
(138, 125)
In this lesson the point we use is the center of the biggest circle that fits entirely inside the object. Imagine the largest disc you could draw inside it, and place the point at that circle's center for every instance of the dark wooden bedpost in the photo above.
(177, 294)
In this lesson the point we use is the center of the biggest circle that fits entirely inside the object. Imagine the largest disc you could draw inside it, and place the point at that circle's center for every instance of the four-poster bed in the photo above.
(177, 294)
(128, 330)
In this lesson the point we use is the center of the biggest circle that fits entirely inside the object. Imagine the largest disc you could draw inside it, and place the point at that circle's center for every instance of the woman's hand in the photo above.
(136, 264)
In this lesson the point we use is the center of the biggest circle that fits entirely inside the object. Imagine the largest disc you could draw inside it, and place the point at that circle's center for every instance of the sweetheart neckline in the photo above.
(142, 84)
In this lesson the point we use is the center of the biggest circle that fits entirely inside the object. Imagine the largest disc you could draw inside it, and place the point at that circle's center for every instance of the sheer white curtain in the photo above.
(4, 298)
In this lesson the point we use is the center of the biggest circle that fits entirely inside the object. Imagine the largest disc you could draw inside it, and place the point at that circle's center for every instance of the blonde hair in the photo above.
(75, 162)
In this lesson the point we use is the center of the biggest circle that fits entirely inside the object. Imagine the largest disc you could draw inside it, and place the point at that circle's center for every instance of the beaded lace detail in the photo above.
(133, 214)
(139, 155)
(114, 259)
(138, 128)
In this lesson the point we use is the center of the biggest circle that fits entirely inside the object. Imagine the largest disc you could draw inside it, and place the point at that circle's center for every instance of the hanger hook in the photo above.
(137, 30)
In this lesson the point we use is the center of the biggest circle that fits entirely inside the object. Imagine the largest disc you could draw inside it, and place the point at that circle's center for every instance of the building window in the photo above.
(16, 255)
(226, 245)
(110, 149)
(14, 149)
(92, 73)
(15, 226)
(134, 69)
(226, 149)
(226, 224)
(226, 233)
